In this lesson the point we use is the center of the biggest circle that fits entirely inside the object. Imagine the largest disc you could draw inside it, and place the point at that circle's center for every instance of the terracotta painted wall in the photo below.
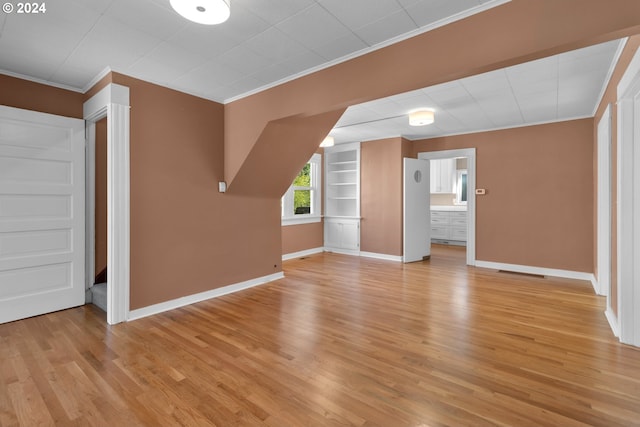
(28, 95)
(101, 197)
(610, 97)
(381, 195)
(510, 34)
(302, 237)
(538, 210)
(186, 237)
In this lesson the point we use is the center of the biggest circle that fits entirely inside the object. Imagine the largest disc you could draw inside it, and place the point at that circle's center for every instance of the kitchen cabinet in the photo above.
(449, 226)
(443, 175)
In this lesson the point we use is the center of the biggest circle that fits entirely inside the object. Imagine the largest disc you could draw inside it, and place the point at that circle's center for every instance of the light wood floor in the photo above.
(341, 341)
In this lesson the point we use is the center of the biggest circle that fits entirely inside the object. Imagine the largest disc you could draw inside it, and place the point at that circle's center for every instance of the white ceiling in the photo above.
(269, 41)
(263, 42)
(560, 87)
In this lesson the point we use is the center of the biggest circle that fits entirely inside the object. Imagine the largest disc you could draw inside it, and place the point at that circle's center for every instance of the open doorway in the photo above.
(100, 276)
(452, 198)
(112, 103)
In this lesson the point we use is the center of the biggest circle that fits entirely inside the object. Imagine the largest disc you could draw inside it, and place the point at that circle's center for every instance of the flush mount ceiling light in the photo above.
(208, 12)
(328, 142)
(421, 118)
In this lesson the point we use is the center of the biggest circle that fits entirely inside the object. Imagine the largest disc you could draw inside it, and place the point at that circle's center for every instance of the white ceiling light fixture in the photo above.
(421, 117)
(328, 142)
(208, 12)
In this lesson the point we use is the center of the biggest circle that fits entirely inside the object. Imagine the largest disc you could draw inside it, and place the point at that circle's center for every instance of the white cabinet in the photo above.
(443, 175)
(449, 226)
(342, 198)
(342, 234)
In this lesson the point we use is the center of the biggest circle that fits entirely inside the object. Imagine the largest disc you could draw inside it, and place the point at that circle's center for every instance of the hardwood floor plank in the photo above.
(340, 341)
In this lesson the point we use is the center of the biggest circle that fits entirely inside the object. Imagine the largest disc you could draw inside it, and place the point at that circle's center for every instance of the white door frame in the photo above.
(629, 203)
(604, 206)
(470, 154)
(112, 102)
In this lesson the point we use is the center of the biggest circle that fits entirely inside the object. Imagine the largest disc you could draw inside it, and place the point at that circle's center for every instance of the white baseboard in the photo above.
(301, 254)
(385, 257)
(596, 285)
(203, 296)
(541, 271)
(342, 251)
(613, 321)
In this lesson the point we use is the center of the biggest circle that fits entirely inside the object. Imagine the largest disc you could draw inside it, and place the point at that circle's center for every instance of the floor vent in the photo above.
(539, 276)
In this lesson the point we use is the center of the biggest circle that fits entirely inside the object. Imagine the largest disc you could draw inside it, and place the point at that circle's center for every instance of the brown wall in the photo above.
(28, 95)
(538, 210)
(512, 33)
(101, 197)
(302, 237)
(381, 196)
(610, 97)
(185, 236)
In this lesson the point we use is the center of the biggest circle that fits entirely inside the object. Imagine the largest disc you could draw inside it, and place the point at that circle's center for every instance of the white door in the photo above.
(41, 213)
(417, 212)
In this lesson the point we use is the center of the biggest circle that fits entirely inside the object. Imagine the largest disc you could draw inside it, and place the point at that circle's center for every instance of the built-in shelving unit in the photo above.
(342, 198)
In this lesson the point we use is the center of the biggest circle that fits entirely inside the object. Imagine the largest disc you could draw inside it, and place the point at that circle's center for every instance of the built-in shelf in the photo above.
(342, 198)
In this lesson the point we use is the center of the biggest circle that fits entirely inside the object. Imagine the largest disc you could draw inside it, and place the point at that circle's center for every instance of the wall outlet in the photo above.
(481, 191)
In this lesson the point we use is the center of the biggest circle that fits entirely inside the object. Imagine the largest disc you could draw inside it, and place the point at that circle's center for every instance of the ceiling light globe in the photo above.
(421, 118)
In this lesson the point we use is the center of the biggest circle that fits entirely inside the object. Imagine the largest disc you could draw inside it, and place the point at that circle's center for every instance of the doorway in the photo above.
(470, 155)
(112, 103)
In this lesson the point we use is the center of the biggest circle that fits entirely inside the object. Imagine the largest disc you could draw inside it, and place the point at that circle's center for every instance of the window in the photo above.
(461, 188)
(301, 202)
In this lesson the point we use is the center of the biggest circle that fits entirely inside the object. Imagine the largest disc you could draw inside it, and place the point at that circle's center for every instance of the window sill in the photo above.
(306, 219)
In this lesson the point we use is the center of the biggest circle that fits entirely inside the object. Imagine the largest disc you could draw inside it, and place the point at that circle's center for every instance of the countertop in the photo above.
(460, 208)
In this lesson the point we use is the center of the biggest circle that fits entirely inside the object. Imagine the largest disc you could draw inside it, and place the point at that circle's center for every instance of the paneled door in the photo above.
(42, 184)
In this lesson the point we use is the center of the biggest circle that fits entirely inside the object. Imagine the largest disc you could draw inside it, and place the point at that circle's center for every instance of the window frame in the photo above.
(287, 215)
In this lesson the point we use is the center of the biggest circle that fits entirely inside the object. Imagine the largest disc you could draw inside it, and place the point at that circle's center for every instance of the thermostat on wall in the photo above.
(481, 191)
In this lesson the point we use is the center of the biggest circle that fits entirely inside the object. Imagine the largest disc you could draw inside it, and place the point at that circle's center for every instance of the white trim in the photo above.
(90, 206)
(385, 257)
(40, 81)
(613, 321)
(94, 108)
(441, 23)
(342, 251)
(629, 203)
(621, 44)
(541, 271)
(110, 103)
(595, 284)
(301, 219)
(286, 215)
(202, 296)
(603, 136)
(470, 154)
(118, 210)
(300, 254)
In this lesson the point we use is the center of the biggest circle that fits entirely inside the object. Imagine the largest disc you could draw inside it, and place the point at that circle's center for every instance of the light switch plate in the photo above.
(222, 186)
